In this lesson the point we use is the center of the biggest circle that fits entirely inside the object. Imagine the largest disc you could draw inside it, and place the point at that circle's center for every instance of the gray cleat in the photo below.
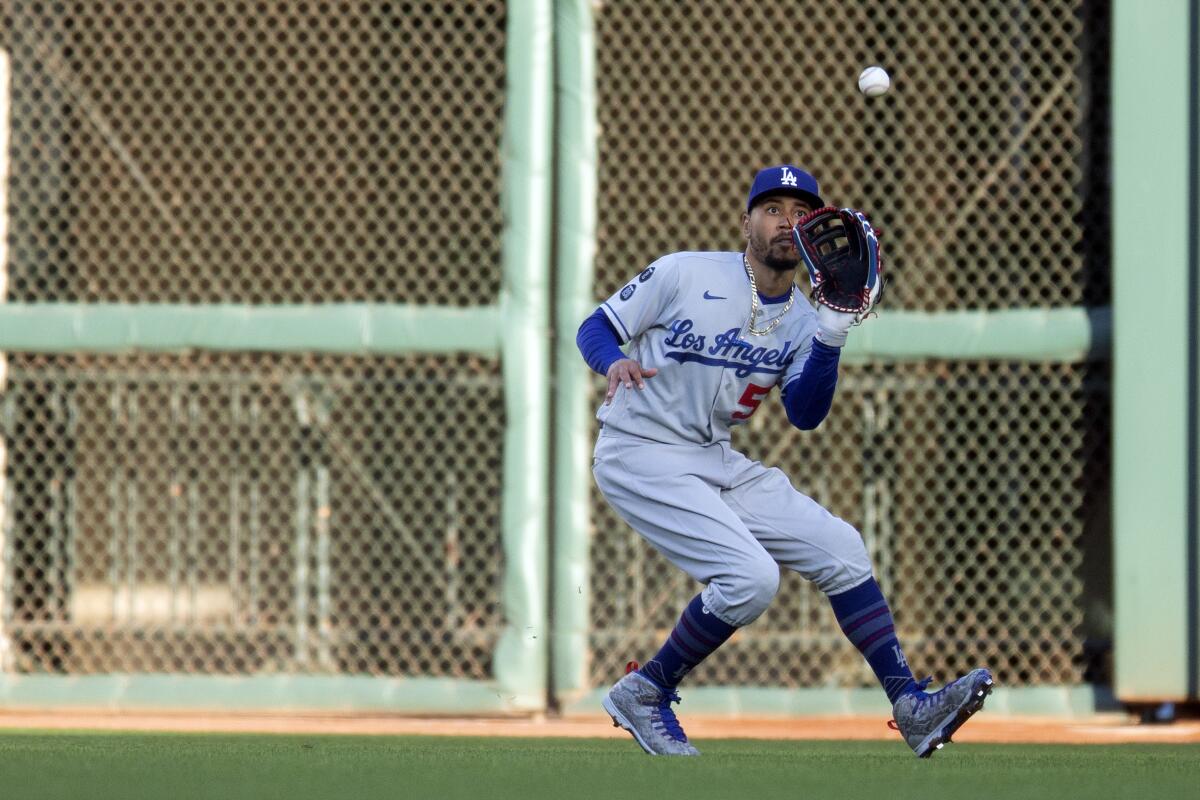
(927, 721)
(640, 707)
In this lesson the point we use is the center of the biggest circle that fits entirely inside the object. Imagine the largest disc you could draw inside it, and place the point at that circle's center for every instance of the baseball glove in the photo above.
(841, 251)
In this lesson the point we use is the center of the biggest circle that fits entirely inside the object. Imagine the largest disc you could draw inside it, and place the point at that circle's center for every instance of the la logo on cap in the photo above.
(785, 178)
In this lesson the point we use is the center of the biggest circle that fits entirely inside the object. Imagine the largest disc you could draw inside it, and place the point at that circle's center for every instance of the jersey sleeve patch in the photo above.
(643, 306)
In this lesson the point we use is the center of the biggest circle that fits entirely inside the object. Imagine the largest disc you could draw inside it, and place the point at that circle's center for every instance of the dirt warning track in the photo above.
(1100, 729)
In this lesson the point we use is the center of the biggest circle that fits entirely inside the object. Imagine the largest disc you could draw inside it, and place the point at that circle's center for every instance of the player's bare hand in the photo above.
(628, 372)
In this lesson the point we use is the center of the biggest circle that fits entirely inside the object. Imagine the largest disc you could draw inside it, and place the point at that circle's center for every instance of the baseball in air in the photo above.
(874, 81)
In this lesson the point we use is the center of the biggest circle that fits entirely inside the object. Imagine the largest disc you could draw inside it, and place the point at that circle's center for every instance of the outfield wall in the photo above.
(293, 416)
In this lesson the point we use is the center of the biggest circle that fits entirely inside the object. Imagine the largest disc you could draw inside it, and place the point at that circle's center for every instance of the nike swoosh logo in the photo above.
(708, 296)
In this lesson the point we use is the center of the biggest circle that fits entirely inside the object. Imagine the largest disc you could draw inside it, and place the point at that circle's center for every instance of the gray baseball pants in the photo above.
(727, 521)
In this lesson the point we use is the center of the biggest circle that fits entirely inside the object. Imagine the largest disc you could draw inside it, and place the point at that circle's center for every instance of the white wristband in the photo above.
(833, 326)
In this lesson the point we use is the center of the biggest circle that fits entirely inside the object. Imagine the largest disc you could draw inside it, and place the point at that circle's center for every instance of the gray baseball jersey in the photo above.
(687, 314)
(664, 461)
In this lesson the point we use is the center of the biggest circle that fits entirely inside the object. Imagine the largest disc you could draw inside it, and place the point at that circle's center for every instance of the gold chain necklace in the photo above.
(754, 303)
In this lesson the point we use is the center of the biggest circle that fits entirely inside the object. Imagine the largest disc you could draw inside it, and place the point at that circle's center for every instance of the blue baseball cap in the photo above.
(785, 179)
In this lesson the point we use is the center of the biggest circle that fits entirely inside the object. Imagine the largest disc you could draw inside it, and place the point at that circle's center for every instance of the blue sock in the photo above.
(867, 622)
(697, 634)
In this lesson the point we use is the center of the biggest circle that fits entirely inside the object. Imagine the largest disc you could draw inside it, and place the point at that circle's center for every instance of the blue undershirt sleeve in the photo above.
(598, 341)
(808, 397)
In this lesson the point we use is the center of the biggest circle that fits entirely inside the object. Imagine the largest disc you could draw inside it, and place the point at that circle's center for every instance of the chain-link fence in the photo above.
(256, 152)
(977, 485)
(266, 513)
(974, 486)
(986, 165)
(254, 513)
(263, 514)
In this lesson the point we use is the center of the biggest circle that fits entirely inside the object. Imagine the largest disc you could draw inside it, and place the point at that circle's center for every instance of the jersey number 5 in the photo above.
(750, 399)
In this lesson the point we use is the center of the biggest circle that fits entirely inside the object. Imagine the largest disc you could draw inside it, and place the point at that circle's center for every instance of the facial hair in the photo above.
(769, 253)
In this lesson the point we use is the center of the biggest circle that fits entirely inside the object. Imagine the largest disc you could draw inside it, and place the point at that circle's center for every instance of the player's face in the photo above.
(768, 230)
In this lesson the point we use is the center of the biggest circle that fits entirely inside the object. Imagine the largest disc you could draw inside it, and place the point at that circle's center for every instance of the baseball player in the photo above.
(709, 336)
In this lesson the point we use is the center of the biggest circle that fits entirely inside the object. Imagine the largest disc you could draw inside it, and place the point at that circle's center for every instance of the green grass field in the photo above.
(35, 764)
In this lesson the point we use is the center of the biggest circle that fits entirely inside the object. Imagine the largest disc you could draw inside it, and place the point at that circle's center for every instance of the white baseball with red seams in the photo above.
(663, 458)
(874, 81)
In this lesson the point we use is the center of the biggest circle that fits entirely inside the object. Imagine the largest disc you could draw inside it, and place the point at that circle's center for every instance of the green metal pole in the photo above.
(1152, 336)
(521, 653)
(1018, 334)
(575, 226)
(1193, 327)
(359, 328)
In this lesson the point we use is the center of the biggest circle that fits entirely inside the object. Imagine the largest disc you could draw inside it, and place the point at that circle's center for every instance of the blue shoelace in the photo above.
(674, 730)
(919, 687)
